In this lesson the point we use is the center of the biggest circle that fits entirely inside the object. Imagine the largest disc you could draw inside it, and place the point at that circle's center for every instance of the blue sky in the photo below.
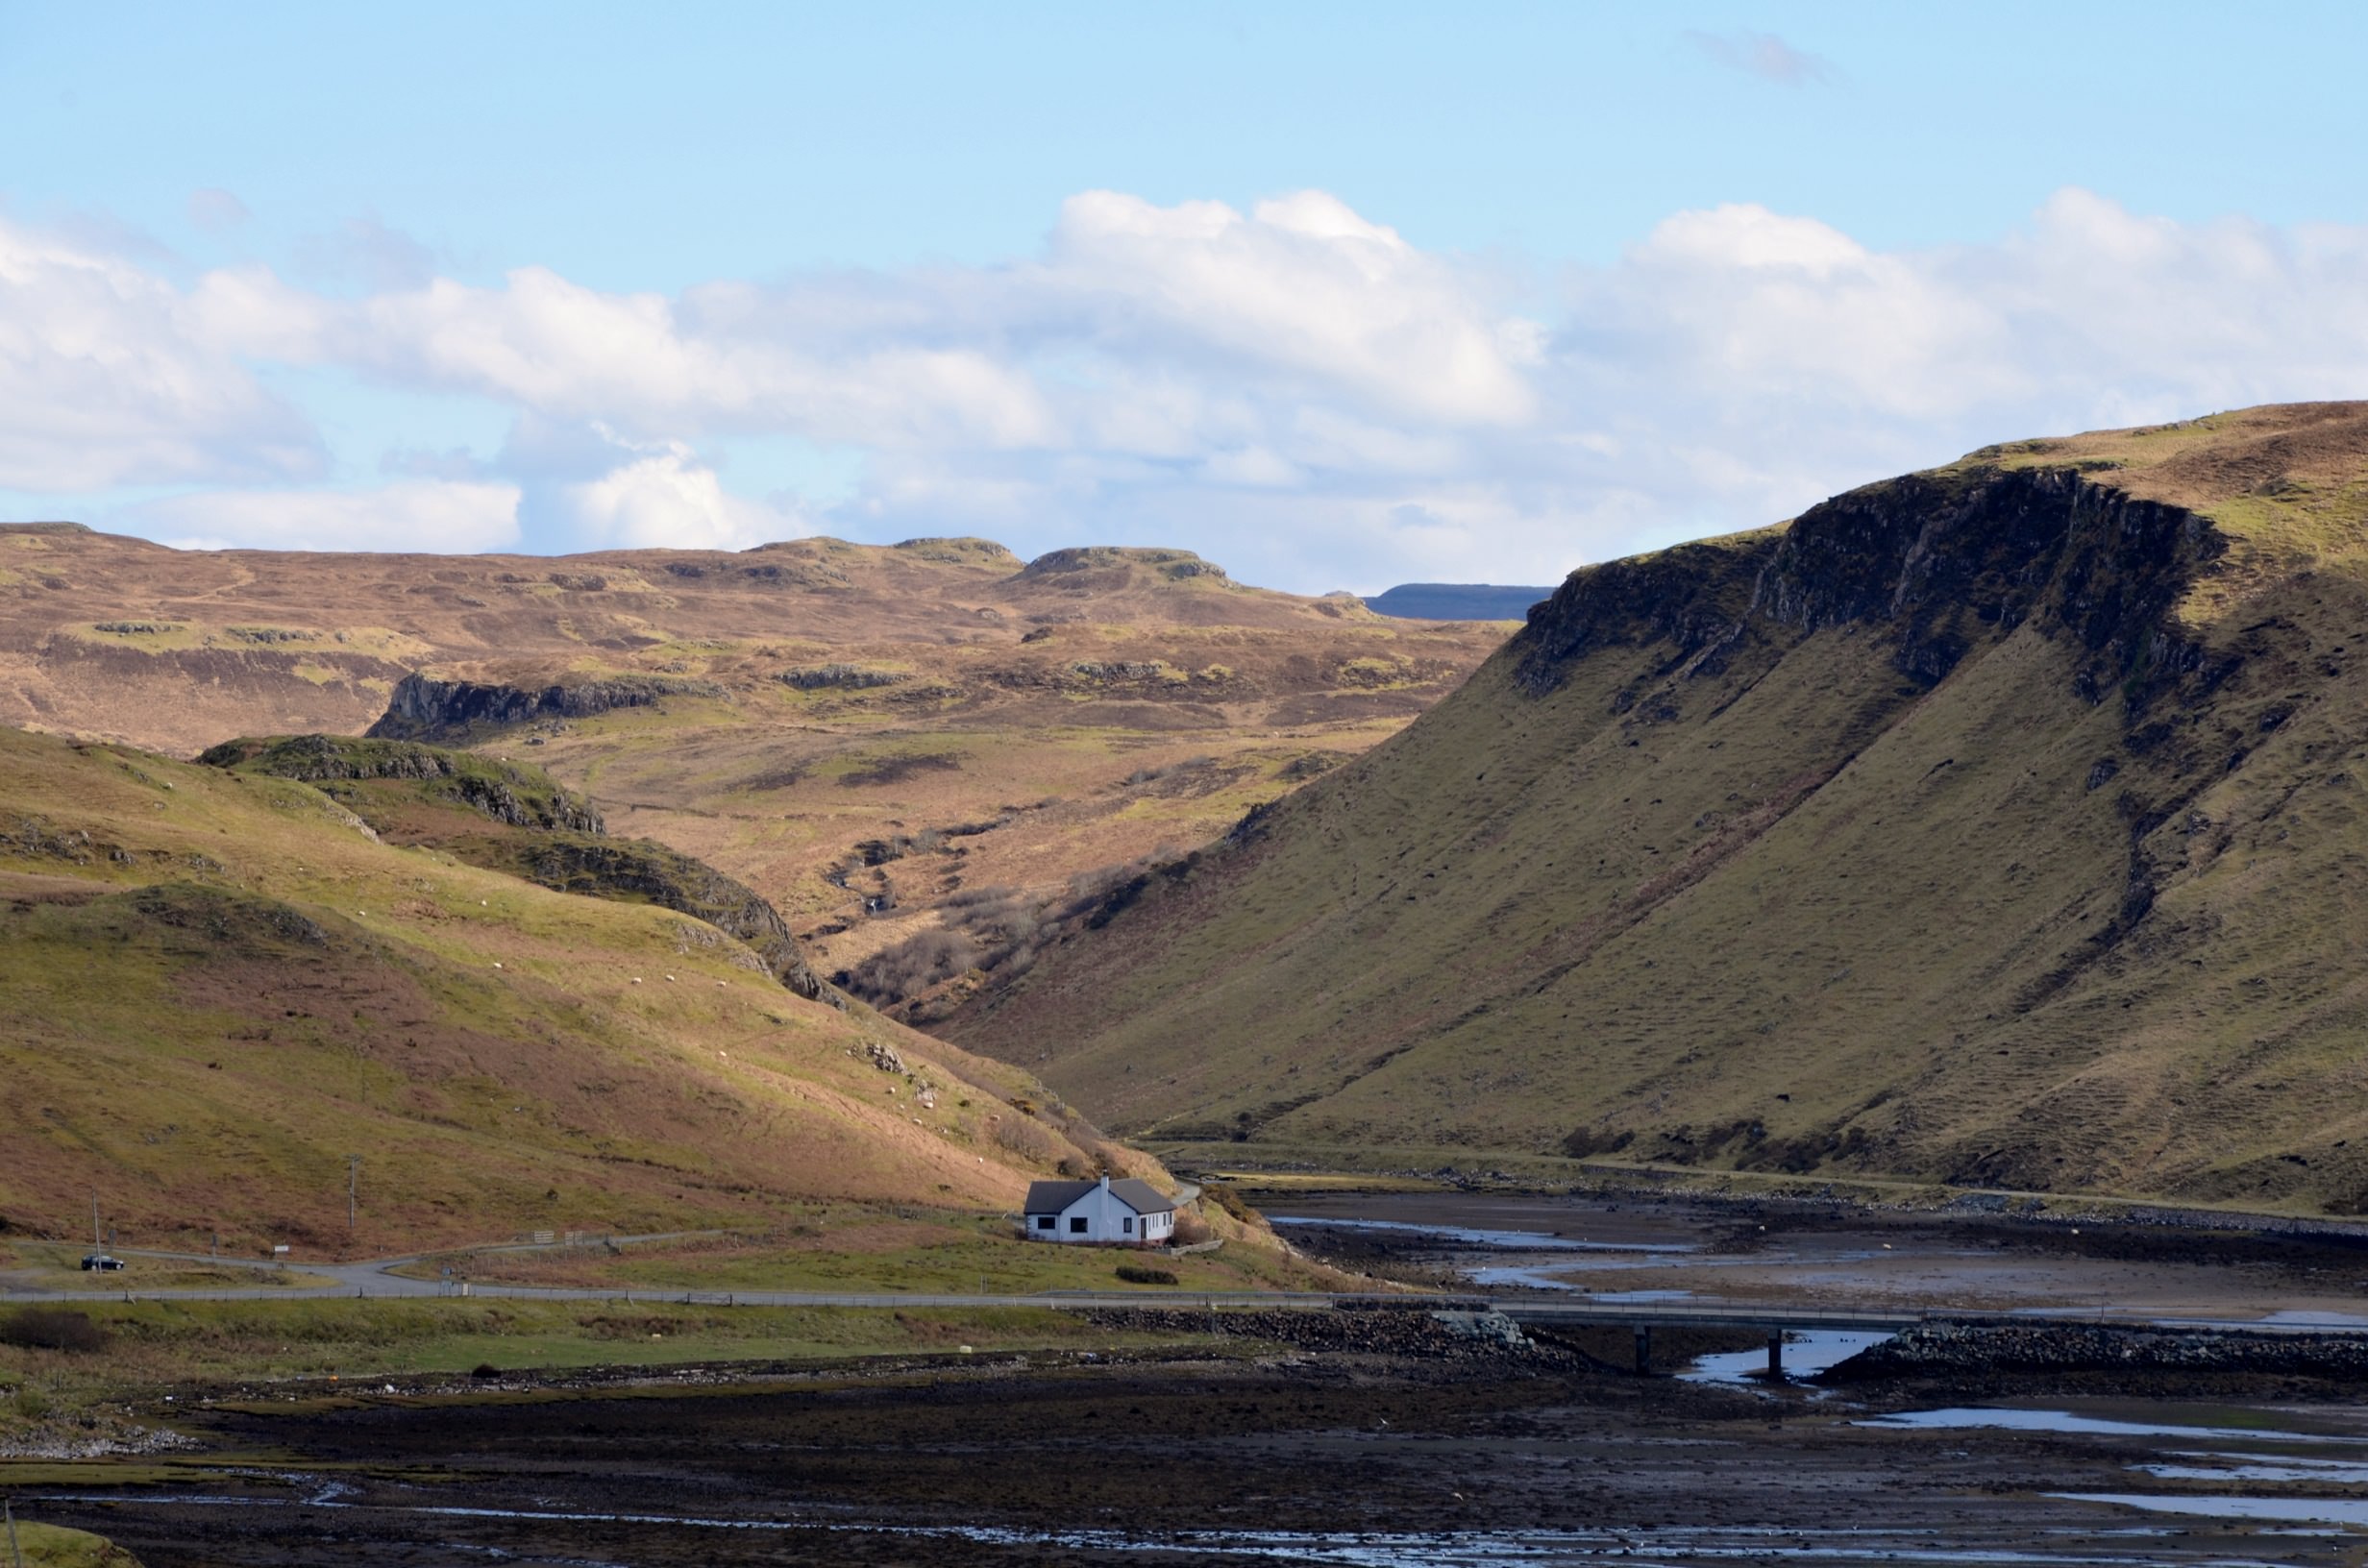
(1339, 295)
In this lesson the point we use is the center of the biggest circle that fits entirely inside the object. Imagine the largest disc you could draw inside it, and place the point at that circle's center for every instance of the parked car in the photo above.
(100, 1261)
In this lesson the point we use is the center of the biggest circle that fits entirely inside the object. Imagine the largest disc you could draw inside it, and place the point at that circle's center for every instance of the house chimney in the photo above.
(1105, 1180)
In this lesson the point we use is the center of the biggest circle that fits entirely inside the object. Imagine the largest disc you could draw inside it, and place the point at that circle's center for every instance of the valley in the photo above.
(854, 731)
(1994, 827)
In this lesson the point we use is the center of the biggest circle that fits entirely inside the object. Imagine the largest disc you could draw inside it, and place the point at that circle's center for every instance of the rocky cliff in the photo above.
(2001, 824)
(512, 795)
(423, 707)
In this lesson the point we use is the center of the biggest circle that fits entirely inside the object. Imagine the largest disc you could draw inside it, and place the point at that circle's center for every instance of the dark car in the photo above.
(100, 1261)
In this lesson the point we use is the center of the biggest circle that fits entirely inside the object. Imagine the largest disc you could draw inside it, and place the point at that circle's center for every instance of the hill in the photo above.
(2006, 824)
(855, 732)
(222, 982)
(1456, 602)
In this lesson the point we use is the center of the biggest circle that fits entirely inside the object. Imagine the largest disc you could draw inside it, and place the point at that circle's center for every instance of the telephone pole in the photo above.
(352, 1190)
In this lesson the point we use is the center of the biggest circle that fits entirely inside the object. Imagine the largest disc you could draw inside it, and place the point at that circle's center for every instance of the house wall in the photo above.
(1105, 1216)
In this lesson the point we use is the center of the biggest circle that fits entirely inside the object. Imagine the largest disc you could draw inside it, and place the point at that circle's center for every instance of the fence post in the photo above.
(15, 1550)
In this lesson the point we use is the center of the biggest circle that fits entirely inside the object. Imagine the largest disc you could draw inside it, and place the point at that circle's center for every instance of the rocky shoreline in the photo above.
(2020, 1347)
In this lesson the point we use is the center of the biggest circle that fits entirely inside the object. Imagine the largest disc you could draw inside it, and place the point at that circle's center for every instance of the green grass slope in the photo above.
(504, 816)
(220, 984)
(2005, 825)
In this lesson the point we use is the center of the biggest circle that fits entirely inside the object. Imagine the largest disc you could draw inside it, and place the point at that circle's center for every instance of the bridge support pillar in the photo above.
(1645, 1348)
(1776, 1356)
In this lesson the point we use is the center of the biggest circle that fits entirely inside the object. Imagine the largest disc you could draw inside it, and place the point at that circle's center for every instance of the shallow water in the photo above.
(1470, 1236)
(2328, 1510)
(1962, 1417)
(2246, 1467)
(1808, 1352)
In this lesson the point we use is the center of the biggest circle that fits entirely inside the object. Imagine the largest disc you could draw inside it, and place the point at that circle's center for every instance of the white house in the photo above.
(1128, 1211)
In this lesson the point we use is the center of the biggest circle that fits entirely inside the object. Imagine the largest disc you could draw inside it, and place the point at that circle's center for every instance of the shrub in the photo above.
(1137, 1274)
(1190, 1230)
(990, 929)
(52, 1328)
(31, 1402)
(484, 1369)
(1024, 1139)
(912, 967)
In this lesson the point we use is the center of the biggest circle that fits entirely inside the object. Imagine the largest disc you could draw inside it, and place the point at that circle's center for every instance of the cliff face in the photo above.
(423, 707)
(1999, 824)
(1943, 563)
(511, 795)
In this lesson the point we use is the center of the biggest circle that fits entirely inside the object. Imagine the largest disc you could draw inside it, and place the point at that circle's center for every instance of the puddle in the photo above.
(1961, 1418)
(1808, 1352)
(1509, 1240)
(2324, 1510)
(1499, 1276)
(2247, 1467)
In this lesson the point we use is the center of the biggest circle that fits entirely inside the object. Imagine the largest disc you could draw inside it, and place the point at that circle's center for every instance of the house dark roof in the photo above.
(1051, 1197)
(1142, 1197)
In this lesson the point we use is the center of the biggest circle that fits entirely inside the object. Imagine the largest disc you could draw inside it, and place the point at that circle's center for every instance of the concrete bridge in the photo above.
(1640, 1317)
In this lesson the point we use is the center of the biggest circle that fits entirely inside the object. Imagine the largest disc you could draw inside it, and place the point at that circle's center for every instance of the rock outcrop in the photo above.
(507, 793)
(425, 708)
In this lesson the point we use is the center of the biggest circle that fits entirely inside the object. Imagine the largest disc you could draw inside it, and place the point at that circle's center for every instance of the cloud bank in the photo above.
(1294, 389)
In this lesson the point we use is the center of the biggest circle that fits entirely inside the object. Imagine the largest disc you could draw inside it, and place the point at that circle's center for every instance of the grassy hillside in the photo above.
(220, 984)
(502, 817)
(2006, 824)
(854, 731)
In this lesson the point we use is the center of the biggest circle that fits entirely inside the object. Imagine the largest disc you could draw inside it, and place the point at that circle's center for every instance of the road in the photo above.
(376, 1279)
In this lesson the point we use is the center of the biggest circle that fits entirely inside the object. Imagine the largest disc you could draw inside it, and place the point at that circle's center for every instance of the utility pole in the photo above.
(95, 1242)
(353, 1188)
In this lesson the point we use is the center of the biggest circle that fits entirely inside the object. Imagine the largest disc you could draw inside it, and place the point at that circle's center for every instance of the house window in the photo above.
(1128, 1225)
(1076, 1226)
(1044, 1222)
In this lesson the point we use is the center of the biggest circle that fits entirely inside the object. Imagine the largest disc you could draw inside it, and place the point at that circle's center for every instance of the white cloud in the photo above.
(1296, 389)
(667, 498)
(104, 381)
(1301, 287)
(425, 515)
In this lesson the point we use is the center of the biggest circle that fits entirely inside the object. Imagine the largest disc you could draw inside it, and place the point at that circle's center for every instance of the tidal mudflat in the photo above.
(1373, 1438)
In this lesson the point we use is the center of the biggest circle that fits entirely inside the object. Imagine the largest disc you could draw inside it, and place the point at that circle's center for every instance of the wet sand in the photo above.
(1373, 1461)
(1838, 1257)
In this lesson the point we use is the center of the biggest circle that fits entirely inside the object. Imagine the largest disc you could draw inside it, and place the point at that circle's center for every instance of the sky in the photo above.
(1337, 295)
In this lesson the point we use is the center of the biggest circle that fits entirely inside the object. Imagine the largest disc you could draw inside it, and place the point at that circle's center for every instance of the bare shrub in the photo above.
(52, 1328)
(995, 930)
(1137, 1274)
(1024, 1139)
(1190, 1230)
(912, 966)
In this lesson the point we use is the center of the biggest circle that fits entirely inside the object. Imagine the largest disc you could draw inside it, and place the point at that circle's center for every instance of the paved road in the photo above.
(372, 1281)
(376, 1278)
